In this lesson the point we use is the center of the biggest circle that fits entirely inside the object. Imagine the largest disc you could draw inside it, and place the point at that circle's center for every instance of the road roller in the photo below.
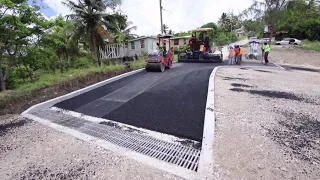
(162, 57)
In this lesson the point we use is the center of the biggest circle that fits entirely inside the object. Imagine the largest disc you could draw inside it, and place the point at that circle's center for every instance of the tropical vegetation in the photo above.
(33, 46)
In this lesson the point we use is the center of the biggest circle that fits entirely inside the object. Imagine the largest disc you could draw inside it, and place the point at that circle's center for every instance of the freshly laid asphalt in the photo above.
(172, 102)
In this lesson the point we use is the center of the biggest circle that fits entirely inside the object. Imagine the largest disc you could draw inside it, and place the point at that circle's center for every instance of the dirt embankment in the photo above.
(17, 104)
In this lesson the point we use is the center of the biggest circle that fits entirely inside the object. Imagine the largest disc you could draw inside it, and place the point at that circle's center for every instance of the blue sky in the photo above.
(45, 9)
(179, 15)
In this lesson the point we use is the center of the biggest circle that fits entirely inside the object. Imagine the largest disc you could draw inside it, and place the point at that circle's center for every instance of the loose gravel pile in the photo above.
(267, 123)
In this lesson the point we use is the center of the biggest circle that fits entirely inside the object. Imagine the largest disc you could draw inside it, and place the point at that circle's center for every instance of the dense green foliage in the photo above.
(299, 18)
(32, 46)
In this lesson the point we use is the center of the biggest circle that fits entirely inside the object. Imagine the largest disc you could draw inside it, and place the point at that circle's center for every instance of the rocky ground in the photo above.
(267, 123)
(29, 150)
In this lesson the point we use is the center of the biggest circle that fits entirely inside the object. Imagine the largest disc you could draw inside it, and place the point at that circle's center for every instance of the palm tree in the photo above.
(124, 29)
(171, 32)
(165, 28)
(90, 17)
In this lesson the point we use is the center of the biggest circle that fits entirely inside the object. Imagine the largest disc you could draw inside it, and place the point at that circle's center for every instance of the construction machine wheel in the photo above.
(158, 67)
(169, 65)
(162, 67)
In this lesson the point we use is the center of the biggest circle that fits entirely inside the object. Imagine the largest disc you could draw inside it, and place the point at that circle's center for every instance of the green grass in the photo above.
(242, 37)
(310, 45)
(175, 58)
(47, 80)
(138, 64)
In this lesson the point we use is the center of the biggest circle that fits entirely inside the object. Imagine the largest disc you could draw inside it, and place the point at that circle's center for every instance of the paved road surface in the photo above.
(172, 102)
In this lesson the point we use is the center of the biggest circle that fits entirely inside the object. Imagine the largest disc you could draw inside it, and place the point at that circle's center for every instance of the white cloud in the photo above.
(179, 15)
(57, 6)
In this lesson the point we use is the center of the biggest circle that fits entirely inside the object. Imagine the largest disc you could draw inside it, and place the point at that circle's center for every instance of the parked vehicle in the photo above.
(251, 39)
(287, 41)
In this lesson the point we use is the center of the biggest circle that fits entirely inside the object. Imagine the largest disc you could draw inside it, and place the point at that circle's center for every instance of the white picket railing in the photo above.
(114, 51)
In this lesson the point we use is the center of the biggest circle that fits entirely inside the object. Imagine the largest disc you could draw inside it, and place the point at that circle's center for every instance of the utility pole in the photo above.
(161, 16)
(231, 21)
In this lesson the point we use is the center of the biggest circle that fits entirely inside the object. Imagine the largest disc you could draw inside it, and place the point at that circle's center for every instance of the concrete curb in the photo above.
(206, 156)
(206, 163)
(56, 100)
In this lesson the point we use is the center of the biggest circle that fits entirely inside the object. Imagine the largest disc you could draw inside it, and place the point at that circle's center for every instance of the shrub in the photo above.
(222, 39)
(12, 80)
(82, 62)
(144, 54)
(175, 50)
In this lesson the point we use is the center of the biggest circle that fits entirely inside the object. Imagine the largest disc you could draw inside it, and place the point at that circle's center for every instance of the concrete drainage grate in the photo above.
(178, 154)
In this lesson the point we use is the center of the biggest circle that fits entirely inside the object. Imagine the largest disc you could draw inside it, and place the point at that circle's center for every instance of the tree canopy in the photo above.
(31, 44)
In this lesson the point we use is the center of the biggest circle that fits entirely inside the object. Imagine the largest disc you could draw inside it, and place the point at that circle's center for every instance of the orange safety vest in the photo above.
(241, 51)
(232, 53)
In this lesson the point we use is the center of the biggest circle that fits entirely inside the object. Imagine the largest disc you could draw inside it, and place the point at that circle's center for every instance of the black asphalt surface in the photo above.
(172, 102)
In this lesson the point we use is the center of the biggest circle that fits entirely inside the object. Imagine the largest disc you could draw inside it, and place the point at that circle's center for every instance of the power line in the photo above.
(134, 4)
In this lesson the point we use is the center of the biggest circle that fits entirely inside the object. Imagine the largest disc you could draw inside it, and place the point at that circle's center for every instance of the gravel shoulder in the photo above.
(267, 124)
(285, 55)
(29, 150)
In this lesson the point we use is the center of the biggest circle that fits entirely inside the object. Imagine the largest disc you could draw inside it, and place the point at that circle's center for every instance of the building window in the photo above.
(176, 42)
(132, 45)
(142, 44)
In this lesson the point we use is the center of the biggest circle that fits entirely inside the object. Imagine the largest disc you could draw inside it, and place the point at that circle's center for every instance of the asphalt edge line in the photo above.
(154, 134)
(279, 66)
(206, 156)
(56, 100)
(145, 160)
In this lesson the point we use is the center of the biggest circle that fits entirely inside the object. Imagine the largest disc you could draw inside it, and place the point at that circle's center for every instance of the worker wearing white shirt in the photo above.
(255, 47)
(252, 46)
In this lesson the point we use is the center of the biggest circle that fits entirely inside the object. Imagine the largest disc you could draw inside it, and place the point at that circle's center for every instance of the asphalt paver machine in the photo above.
(196, 52)
(162, 58)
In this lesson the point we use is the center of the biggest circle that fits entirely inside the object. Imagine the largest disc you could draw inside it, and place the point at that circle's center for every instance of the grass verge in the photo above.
(310, 45)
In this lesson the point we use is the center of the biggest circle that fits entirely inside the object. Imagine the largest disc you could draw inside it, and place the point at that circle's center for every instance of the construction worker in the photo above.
(266, 52)
(240, 53)
(231, 56)
(161, 47)
(202, 48)
(236, 51)
(192, 43)
(164, 47)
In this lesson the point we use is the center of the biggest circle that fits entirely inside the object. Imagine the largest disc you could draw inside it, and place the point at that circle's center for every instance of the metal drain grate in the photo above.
(177, 154)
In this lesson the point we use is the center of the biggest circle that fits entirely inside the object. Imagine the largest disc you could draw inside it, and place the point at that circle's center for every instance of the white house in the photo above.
(133, 47)
(142, 44)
